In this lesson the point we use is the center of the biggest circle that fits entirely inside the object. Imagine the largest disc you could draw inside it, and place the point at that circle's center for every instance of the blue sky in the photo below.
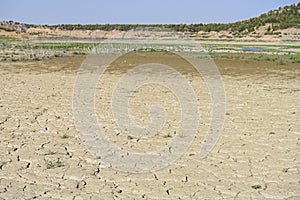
(134, 11)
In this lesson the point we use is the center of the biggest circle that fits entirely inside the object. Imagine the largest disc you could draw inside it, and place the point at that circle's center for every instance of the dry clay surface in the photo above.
(256, 157)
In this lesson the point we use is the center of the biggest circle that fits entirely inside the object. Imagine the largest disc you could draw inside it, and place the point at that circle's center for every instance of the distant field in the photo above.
(12, 50)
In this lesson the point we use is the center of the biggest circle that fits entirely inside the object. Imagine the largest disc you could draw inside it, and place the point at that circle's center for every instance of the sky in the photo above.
(134, 11)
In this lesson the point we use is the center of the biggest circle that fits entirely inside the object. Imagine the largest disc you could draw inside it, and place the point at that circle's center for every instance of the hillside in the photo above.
(282, 18)
(280, 24)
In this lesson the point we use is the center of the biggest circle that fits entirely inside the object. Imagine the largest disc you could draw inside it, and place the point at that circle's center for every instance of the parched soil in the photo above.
(256, 157)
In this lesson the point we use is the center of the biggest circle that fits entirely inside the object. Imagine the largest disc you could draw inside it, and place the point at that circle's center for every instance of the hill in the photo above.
(267, 26)
(282, 18)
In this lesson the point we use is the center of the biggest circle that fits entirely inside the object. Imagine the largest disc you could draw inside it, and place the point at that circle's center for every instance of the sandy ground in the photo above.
(257, 156)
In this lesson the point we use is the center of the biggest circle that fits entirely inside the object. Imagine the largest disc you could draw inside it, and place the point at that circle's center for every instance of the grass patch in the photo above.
(256, 187)
(58, 46)
(7, 39)
(291, 47)
(281, 62)
(65, 136)
(52, 165)
(130, 137)
(167, 136)
(295, 58)
(150, 49)
(285, 170)
(50, 153)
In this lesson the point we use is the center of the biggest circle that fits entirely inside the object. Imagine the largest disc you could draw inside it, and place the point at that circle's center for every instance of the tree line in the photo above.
(281, 18)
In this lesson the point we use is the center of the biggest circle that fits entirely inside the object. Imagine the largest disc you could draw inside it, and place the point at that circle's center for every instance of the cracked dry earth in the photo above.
(256, 157)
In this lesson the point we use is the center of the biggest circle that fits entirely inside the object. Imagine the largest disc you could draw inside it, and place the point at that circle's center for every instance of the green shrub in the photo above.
(295, 58)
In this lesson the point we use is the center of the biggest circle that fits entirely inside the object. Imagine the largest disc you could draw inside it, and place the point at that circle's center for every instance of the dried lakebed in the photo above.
(257, 155)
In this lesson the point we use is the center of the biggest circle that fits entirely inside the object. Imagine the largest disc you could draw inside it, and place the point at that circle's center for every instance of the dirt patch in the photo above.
(256, 157)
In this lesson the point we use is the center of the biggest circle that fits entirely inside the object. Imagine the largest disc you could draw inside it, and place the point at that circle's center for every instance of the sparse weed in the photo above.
(130, 137)
(285, 170)
(52, 165)
(50, 153)
(295, 58)
(167, 136)
(281, 62)
(65, 136)
(256, 187)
